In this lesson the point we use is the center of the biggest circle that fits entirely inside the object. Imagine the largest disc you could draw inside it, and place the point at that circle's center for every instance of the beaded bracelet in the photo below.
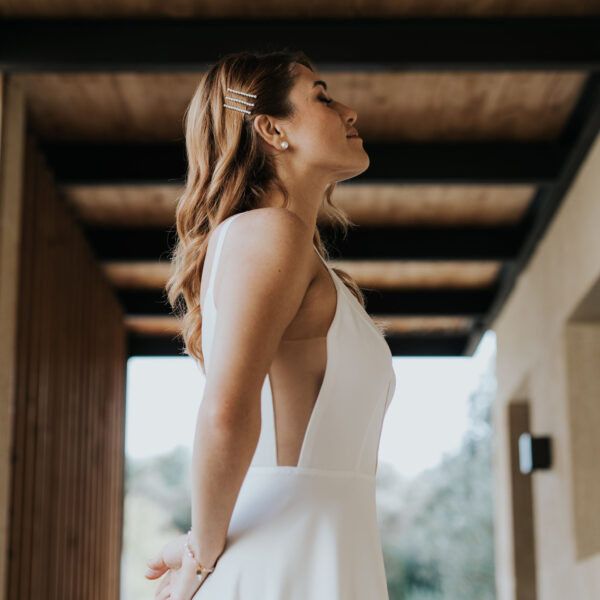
(200, 569)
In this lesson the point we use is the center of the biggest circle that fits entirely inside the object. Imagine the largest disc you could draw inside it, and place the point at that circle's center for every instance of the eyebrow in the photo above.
(320, 82)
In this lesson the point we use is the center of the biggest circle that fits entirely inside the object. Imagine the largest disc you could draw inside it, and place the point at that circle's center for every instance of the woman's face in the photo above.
(317, 132)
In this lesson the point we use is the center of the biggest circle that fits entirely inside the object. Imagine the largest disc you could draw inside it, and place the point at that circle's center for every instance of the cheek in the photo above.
(319, 130)
(326, 129)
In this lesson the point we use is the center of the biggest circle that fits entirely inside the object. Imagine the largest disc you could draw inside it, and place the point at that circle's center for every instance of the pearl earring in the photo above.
(284, 145)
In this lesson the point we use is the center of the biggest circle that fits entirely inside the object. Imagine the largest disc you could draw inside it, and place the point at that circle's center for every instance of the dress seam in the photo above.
(291, 470)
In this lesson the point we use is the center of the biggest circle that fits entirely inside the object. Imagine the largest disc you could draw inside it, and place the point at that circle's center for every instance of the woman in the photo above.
(298, 377)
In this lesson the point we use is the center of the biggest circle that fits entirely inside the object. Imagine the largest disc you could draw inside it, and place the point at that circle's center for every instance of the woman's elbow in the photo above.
(234, 416)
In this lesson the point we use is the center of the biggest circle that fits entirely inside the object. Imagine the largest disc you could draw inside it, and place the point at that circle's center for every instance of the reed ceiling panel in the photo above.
(392, 107)
(435, 205)
(153, 275)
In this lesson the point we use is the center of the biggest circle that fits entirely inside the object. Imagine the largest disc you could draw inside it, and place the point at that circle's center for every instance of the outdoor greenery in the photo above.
(157, 509)
(436, 529)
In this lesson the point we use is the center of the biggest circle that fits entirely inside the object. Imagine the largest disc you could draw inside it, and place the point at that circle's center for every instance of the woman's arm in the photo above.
(222, 453)
(263, 273)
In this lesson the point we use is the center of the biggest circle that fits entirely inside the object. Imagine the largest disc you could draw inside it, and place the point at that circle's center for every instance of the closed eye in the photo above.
(326, 100)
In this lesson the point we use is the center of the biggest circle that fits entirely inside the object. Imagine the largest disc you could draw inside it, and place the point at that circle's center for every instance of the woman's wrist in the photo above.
(190, 564)
(195, 556)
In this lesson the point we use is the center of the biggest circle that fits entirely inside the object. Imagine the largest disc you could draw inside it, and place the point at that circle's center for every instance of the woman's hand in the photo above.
(168, 558)
(180, 581)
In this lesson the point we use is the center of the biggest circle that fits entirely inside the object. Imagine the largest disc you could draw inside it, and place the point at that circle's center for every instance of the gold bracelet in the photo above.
(200, 569)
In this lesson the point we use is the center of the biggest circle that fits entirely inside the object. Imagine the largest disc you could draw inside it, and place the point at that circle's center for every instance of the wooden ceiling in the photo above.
(417, 107)
(306, 8)
(475, 118)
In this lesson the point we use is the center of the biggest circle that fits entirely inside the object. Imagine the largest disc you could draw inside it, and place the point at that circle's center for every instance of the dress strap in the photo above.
(328, 267)
(215, 263)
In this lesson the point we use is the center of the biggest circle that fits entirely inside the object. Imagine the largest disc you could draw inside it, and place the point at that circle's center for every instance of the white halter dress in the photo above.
(310, 532)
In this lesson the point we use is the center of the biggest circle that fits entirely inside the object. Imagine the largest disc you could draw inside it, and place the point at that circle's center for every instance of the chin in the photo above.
(352, 168)
(366, 163)
(353, 172)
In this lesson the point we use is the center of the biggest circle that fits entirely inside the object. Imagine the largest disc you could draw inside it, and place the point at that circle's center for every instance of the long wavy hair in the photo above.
(228, 172)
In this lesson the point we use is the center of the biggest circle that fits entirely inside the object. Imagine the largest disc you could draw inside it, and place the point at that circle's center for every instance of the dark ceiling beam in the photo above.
(119, 163)
(519, 163)
(427, 345)
(378, 44)
(361, 243)
(472, 303)
(400, 345)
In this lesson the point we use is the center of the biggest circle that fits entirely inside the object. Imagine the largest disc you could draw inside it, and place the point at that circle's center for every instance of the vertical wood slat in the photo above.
(67, 492)
(43, 394)
(62, 390)
(27, 366)
(22, 365)
(12, 130)
(90, 386)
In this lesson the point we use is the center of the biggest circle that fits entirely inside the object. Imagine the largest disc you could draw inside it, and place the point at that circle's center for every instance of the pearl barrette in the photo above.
(284, 144)
(240, 101)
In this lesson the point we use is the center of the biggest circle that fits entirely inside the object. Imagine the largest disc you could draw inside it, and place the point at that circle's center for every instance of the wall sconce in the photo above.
(534, 453)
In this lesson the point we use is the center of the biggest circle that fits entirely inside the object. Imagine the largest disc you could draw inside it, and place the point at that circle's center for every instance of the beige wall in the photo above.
(548, 340)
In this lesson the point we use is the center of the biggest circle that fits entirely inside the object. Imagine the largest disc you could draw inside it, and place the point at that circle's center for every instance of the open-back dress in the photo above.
(310, 532)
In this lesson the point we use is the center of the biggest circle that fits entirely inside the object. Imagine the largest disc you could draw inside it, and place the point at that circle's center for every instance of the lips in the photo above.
(352, 133)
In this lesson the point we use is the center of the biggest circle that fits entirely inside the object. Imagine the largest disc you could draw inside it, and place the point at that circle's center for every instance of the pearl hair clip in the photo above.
(238, 100)
(284, 145)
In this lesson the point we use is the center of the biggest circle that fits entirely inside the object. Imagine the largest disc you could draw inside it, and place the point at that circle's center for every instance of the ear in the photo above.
(268, 129)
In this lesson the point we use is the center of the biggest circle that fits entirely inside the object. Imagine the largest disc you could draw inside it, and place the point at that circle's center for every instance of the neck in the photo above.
(305, 197)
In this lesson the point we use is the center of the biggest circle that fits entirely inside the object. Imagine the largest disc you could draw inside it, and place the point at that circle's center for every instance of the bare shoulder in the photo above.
(270, 233)
(268, 249)
(273, 222)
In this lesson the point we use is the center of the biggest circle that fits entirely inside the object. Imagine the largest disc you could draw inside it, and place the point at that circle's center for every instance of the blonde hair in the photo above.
(228, 172)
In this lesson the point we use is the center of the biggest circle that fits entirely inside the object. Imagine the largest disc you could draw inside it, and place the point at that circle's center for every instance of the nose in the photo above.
(350, 115)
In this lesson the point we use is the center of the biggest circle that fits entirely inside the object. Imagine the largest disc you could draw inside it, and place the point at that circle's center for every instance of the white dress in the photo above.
(310, 532)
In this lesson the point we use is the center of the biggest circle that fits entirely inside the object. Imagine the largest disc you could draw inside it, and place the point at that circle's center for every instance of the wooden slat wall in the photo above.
(68, 470)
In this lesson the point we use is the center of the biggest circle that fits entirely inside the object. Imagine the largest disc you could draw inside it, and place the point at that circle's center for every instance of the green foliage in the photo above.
(438, 532)
(166, 479)
(157, 509)
(147, 528)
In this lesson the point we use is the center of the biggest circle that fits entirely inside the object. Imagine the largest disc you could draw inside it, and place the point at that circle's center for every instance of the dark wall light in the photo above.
(534, 453)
